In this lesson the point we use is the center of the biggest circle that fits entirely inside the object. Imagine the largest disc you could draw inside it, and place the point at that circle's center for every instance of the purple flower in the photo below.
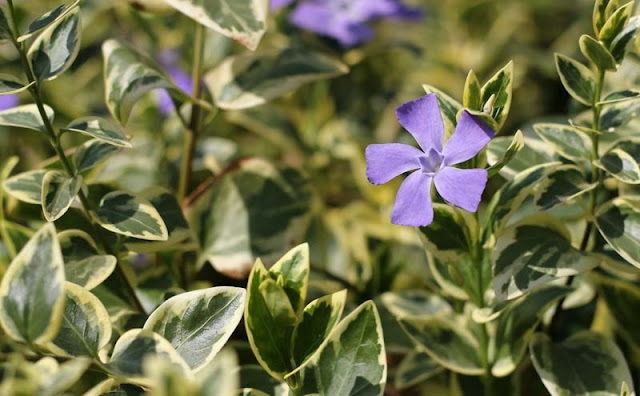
(346, 20)
(8, 101)
(277, 4)
(182, 79)
(432, 164)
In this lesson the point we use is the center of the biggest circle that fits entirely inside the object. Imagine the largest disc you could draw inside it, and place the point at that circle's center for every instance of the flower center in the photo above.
(431, 162)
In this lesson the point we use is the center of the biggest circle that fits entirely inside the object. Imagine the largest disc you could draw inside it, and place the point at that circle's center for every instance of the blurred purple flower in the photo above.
(8, 101)
(432, 164)
(346, 20)
(277, 4)
(183, 80)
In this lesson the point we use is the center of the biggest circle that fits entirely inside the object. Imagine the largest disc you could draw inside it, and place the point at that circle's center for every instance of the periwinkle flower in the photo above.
(182, 79)
(8, 101)
(432, 164)
(346, 20)
(278, 4)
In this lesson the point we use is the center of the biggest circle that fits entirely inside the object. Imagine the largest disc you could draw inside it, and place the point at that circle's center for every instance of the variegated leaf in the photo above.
(622, 161)
(48, 19)
(32, 290)
(101, 129)
(516, 145)
(615, 24)
(5, 29)
(448, 343)
(241, 20)
(292, 273)
(532, 154)
(619, 223)
(352, 360)
(532, 252)
(177, 226)
(251, 80)
(129, 215)
(26, 116)
(416, 368)
(92, 153)
(58, 378)
(516, 325)
(597, 53)
(568, 141)
(57, 47)
(26, 187)
(86, 326)
(318, 320)
(58, 193)
(587, 363)
(621, 41)
(130, 74)
(221, 377)
(563, 185)
(10, 85)
(500, 87)
(83, 264)
(199, 323)
(415, 302)
(134, 347)
(621, 96)
(577, 79)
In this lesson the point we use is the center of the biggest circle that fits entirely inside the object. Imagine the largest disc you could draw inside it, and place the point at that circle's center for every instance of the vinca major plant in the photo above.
(262, 198)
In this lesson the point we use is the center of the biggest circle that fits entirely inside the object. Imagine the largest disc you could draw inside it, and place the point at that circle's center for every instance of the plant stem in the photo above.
(54, 139)
(596, 177)
(193, 130)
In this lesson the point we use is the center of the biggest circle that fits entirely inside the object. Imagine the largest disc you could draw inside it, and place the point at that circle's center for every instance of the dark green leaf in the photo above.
(10, 85)
(101, 129)
(628, 34)
(48, 19)
(619, 223)
(597, 53)
(58, 193)
(562, 186)
(621, 161)
(615, 24)
(500, 86)
(126, 214)
(577, 79)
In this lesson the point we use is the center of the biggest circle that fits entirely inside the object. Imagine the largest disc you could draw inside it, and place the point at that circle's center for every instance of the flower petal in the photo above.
(462, 187)
(470, 136)
(422, 118)
(322, 19)
(386, 161)
(413, 205)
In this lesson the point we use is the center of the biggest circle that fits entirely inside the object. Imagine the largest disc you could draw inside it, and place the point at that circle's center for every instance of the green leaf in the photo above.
(62, 377)
(129, 75)
(199, 323)
(55, 49)
(563, 185)
(447, 342)
(58, 193)
(26, 116)
(86, 326)
(255, 210)
(250, 80)
(586, 363)
(177, 226)
(449, 108)
(619, 224)
(48, 19)
(129, 215)
(134, 347)
(622, 299)
(619, 44)
(167, 380)
(318, 320)
(15, 236)
(517, 324)
(621, 161)
(10, 85)
(221, 377)
(269, 321)
(352, 361)
(615, 24)
(292, 273)
(533, 252)
(92, 153)
(597, 53)
(32, 290)
(99, 128)
(577, 79)
(416, 368)
(242, 20)
(5, 29)
(500, 86)
(26, 186)
(472, 96)
(601, 13)
(516, 145)
(415, 302)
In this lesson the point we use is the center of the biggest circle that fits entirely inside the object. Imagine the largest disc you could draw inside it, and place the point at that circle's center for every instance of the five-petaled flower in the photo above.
(346, 20)
(432, 164)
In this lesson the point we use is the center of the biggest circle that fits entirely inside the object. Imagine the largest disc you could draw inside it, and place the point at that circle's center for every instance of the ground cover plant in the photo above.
(319, 197)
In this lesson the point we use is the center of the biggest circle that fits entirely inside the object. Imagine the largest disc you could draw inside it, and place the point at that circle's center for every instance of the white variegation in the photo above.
(26, 186)
(26, 116)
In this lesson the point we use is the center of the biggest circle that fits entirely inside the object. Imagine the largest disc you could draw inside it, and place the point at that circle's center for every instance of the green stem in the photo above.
(54, 139)
(193, 130)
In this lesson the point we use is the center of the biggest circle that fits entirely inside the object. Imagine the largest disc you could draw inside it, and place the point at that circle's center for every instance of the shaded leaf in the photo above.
(58, 193)
(26, 116)
(126, 214)
(10, 85)
(92, 153)
(26, 186)
(99, 128)
(516, 145)
(563, 185)
(619, 224)
(48, 19)
(621, 161)
(500, 86)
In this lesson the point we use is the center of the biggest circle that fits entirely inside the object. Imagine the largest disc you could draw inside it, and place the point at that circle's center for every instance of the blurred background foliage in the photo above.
(321, 129)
